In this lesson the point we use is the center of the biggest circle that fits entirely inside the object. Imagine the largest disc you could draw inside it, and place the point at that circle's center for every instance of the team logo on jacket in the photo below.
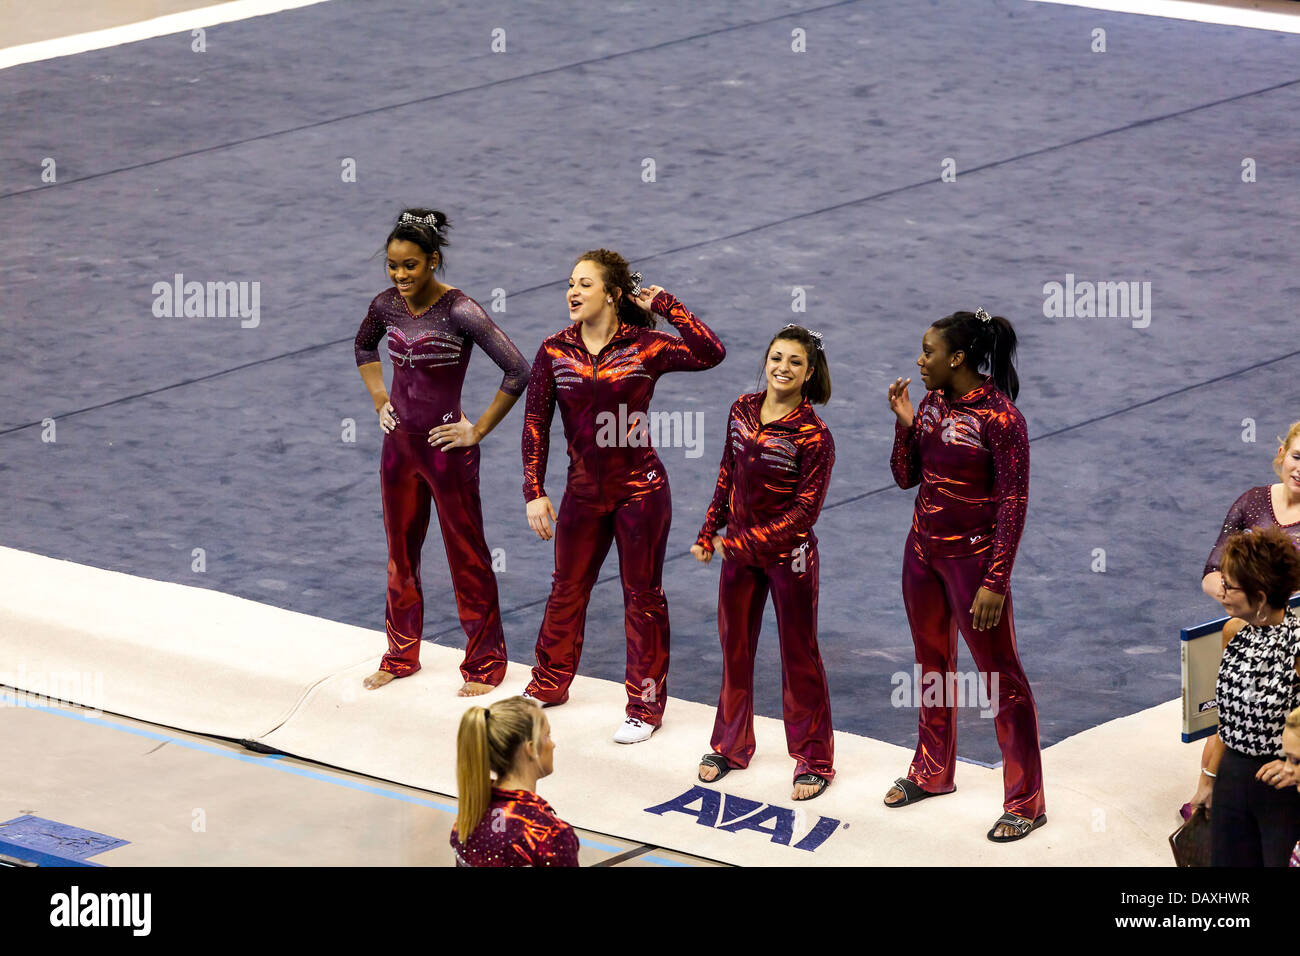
(962, 429)
(568, 371)
(780, 452)
(626, 363)
(732, 814)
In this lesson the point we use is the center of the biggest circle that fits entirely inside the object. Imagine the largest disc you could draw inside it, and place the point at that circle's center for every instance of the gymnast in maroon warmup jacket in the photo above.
(776, 466)
(601, 371)
(430, 449)
(967, 447)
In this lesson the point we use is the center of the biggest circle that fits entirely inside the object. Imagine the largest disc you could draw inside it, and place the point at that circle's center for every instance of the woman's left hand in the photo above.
(646, 296)
(1276, 774)
(986, 610)
(459, 434)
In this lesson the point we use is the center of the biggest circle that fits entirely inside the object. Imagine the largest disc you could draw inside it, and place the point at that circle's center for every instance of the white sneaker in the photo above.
(633, 731)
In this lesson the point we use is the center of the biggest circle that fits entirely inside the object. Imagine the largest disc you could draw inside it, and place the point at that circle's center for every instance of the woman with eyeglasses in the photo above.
(1266, 506)
(1244, 781)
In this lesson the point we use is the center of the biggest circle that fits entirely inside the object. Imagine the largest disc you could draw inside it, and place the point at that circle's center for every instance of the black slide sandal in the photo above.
(912, 793)
(812, 780)
(718, 762)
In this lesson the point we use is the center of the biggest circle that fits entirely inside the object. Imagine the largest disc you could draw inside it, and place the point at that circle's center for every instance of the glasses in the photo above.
(1225, 587)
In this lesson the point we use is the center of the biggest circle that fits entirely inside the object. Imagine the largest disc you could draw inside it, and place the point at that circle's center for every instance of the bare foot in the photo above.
(894, 795)
(472, 689)
(377, 679)
(708, 771)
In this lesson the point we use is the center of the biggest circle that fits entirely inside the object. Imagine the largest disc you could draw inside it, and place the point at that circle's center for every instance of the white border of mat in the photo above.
(145, 29)
(1276, 15)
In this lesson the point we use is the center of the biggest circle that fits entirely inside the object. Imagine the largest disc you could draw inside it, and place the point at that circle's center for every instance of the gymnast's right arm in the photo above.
(720, 508)
(905, 459)
(539, 410)
(366, 349)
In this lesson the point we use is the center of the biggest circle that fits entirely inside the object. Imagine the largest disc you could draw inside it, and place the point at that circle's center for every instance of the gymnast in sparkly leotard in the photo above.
(430, 451)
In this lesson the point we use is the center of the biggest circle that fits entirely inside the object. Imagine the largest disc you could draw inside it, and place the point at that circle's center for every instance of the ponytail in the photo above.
(473, 779)
(487, 742)
(987, 342)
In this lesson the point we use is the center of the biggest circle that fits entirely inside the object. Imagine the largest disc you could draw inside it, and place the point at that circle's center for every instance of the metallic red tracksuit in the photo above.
(771, 485)
(971, 458)
(617, 491)
(430, 354)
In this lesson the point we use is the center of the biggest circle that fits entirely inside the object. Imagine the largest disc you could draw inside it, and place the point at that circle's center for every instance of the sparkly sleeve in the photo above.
(905, 459)
(815, 462)
(558, 848)
(720, 507)
(366, 345)
(1237, 520)
(697, 348)
(1008, 440)
(538, 412)
(487, 335)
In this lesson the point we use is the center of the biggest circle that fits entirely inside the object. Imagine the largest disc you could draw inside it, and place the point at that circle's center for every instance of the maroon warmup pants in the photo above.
(583, 533)
(938, 593)
(411, 472)
(805, 699)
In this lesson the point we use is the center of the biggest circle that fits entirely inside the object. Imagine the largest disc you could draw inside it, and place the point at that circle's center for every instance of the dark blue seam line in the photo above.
(9, 700)
(428, 99)
(696, 245)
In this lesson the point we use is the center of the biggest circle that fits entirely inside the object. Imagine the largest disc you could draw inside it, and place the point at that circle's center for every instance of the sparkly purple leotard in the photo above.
(430, 353)
(1252, 510)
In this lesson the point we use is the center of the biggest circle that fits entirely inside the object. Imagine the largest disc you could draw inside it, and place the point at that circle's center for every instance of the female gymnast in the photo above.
(1267, 506)
(507, 823)
(431, 449)
(1246, 781)
(967, 447)
(601, 371)
(776, 466)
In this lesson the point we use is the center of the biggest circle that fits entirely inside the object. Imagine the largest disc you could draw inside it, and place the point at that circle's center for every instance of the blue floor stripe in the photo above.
(261, 761)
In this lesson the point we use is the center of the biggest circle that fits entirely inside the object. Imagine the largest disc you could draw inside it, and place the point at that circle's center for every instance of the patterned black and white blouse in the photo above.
(1258, 686)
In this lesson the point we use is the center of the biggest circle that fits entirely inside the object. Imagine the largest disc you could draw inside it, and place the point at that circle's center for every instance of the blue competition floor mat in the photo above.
(773, 169)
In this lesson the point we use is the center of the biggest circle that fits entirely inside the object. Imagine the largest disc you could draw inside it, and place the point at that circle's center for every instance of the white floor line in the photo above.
(1280, 15)
(144, 29)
